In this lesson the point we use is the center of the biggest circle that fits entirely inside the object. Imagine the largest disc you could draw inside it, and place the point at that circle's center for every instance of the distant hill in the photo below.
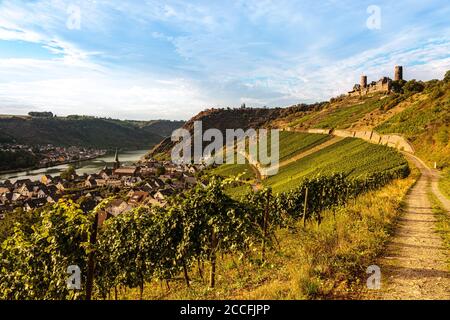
(84, 131)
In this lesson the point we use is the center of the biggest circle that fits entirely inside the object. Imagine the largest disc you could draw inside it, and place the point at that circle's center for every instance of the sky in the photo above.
(158, 59)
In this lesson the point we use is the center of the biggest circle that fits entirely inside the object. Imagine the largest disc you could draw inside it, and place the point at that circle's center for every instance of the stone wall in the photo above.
(321, 131)
(391, 140)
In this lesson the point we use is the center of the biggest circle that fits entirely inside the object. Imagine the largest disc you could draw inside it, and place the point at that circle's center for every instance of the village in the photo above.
(49, 155)
(147, 182)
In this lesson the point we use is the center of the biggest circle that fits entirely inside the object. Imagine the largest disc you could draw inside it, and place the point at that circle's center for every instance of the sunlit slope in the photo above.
(353, 157)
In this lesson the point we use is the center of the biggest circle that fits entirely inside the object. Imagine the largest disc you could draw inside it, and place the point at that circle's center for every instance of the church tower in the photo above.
(116, 161)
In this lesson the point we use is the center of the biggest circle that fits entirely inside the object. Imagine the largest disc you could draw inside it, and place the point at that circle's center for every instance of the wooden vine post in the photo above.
(265, 226)
(91, 260)
(212, 275)
(305, 207)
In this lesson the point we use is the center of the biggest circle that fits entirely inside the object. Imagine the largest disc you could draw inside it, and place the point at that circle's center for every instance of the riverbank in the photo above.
(90, 166)
(51, 166)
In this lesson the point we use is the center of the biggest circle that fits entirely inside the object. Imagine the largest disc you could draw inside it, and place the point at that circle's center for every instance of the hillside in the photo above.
(420, 111)
(84, 131)
(243, 118)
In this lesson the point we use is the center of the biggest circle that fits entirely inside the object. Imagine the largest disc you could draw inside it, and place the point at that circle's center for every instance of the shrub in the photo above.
(413, 86)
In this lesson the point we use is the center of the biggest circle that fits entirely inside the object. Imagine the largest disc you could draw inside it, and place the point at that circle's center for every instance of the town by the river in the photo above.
(87, 166)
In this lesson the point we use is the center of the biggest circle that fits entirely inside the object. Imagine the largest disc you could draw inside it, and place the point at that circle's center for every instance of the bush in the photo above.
(447, 76)
(442, 136)
(436, 93)
(397, 86)
(413, 86)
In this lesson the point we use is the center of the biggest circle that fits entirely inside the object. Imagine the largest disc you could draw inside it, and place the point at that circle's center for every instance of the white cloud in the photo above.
(69, 90)
(257, 51)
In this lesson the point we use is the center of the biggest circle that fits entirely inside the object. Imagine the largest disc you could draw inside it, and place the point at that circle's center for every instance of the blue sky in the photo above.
(172, 59)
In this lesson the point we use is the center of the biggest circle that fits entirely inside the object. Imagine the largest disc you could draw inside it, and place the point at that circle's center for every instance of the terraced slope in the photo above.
(352, 156)
(294, 143)
(309, 157)
(312, 150)
(227, 170)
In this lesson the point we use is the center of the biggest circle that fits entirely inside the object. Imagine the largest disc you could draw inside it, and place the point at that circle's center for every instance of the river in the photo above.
(88, 166)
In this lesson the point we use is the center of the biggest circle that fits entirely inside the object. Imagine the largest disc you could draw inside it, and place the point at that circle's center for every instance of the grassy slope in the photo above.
(343, 118)
(443, 222)
(444, 183)
(426, 123)
(291, 144)
(423, 118)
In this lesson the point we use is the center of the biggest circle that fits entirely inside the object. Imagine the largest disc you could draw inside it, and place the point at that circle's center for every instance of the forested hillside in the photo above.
(84, 131)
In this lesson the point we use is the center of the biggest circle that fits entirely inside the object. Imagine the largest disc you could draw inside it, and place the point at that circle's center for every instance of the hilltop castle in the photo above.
(382, 85)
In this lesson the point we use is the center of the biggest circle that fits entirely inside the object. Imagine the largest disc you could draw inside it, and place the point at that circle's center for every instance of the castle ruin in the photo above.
(383, 85)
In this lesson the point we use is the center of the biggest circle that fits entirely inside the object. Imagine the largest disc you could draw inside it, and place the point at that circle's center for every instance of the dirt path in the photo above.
(415, 265)
(311, 151)
(258, 184)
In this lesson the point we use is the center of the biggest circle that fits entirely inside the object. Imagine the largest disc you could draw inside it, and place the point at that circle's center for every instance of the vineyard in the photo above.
(353, 157)
(149, 244)
(223, 216)
(293, 143)
(227, 170)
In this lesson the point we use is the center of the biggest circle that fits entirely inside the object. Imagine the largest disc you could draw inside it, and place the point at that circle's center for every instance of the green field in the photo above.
(411, 121)
(343, 117)
(351, 156)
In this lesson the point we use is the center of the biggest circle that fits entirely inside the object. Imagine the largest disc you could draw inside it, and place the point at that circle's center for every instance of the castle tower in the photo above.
(398, 73)
(363, 81)
(116, 161)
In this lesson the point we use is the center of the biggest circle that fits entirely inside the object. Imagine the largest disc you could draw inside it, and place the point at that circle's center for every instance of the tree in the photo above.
(264, 215)
(397, 86)
(413, 86)
(447, 76)
(19, 159)
(68, 173)
(17, 216)
(128, 260)
(34, 261)
(160, 171)
(36, 114)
